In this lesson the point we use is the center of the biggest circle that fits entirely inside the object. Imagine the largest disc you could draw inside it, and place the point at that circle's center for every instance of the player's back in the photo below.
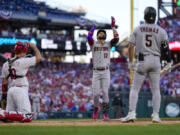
(18, 68)
(148, 37)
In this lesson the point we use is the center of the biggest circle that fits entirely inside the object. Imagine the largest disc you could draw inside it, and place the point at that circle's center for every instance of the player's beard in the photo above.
(102, 38)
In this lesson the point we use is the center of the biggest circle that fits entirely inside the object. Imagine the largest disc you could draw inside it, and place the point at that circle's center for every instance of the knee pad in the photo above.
(13, 116)
(18, 116)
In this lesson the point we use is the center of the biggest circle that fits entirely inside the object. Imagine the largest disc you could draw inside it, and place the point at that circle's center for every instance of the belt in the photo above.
(151, 54)
(20, 86)
(147, 55)
(101, 68)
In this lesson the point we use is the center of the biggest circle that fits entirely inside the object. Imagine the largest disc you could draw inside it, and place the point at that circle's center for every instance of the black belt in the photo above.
(147, 55)
(101, 68)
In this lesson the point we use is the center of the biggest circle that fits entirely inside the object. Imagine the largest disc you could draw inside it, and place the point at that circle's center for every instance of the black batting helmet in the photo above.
(150, 15)
(105, 35)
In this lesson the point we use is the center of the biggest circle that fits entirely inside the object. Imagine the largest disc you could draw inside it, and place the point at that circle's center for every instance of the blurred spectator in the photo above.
(172, 26)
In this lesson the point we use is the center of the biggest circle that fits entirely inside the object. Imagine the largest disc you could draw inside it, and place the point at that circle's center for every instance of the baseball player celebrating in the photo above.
(14, 81)
(147, 39)
(101, 62)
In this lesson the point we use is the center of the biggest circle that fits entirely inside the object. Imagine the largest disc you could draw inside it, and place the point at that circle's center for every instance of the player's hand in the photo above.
(32, 45)
(131, 65)
(113, 22)
(91, 32)
(27, 44)
(168, 67)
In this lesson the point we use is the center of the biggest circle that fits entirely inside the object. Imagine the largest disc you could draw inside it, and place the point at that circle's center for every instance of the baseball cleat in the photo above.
(105, 117)
(27, 117)
(156, 118)
(95, 113)
(131, 117)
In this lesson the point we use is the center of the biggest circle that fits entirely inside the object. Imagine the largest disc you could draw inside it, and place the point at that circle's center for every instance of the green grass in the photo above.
(153, 129)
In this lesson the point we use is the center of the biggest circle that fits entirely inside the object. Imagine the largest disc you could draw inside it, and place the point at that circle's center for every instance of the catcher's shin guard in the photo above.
(18, 116)
(105, 110)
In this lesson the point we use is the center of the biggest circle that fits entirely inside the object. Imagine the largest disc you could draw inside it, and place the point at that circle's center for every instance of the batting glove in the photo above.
(168, 67)
(131, 65)
(91, 32)
(113, 22)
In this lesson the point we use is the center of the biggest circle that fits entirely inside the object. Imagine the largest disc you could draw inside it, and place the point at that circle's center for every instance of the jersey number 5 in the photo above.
(148, 40)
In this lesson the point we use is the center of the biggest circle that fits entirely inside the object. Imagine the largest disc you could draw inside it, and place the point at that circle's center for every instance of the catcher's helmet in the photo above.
(105, 35)
(150, 15)
(20, 48)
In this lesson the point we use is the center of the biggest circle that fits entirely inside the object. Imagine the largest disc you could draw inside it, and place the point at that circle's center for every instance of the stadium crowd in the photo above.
(60, 35)
(35, 10)
(169, 82)
(31, 7)
(66, 87)
(172, 27)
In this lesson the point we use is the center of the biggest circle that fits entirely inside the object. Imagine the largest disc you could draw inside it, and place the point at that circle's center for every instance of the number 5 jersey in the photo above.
(149, 38)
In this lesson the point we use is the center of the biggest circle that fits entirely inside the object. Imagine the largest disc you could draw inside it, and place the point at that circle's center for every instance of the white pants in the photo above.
(101, 80)
(18, 100)
(36, 109)
(151, 68)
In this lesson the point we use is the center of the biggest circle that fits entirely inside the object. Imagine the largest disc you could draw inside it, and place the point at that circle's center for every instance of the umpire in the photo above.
(117, 105)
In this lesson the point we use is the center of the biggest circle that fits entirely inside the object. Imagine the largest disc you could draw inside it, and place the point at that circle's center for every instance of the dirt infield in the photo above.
(87, 123)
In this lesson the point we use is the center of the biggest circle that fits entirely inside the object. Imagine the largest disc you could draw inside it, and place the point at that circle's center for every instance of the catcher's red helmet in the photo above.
(20, 48)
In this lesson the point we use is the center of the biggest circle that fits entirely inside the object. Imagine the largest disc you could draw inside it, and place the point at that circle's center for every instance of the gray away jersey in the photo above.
(101, 54)
(147, 38)
(36, 97)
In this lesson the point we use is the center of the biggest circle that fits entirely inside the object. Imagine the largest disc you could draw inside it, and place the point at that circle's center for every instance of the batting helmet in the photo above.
(105, 35)
(150, 15)
(20, 48)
